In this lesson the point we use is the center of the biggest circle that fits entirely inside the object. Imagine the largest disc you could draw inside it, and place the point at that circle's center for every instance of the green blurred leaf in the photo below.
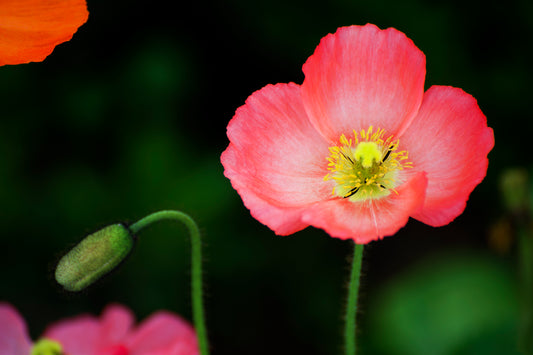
(446, 304)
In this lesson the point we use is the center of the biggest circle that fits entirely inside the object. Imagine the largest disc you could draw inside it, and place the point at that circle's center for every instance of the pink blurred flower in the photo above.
(113, 333)
(359, 147)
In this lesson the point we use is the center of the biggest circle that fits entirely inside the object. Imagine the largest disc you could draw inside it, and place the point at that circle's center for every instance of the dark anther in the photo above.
(352, 192)
(347, 157)
(387, 154)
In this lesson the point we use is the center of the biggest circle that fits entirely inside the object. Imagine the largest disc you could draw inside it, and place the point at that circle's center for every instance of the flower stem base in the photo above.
(351, 304)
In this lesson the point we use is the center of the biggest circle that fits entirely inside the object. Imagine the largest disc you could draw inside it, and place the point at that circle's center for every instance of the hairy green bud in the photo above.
(93, 257)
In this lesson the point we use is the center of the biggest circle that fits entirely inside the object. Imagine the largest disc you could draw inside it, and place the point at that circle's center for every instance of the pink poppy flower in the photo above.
(113, 333)
(359, 147)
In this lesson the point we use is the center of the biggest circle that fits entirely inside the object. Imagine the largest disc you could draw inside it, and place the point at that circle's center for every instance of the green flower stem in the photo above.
(515, 188)
(196, 265)
(525, 250)
(351, 305)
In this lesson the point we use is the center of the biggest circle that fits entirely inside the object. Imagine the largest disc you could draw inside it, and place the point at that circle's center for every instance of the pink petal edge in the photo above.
(362, 76)
(116, 323)
(162, 330)
(449, 140)
(276, 160)
(79, 335)
(87, 334)
(14, 338)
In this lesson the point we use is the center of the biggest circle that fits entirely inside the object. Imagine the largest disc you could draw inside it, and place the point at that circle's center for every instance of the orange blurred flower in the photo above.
(30, 29)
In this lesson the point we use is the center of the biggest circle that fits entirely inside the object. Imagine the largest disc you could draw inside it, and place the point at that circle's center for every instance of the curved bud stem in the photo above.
(196, 266)
(101, 252)
(351, 304)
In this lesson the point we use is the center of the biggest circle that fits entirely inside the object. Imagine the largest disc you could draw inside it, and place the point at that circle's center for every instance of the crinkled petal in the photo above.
(369, 220)
(449, 140)
(30, 29)
(362, 76)
(80, 335)
(282, 220)
(160, 331)
(276, 160)
(14, 338)
(87, 334)
(115, 324)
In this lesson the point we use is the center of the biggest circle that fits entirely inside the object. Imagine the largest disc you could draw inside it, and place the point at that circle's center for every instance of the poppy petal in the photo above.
(116, 322)
(449, 140)
(182, 347)
(160, 331)
(79, 335)
(30, 29)
(362, 76)
(14, 338)
(282, 220)
(369, 220)
(275, 154)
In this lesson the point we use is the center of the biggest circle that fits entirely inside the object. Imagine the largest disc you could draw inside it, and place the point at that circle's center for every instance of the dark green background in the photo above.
(129, 118)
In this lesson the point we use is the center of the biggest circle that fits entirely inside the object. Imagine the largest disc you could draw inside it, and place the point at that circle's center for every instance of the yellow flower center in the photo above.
(46, 347)
(367, 166)
(367, 153)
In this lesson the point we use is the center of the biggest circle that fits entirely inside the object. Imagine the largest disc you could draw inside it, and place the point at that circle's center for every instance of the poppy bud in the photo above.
(514, 184)
(96, 255)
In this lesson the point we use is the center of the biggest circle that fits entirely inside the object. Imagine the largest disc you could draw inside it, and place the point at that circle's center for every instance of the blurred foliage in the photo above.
(129, 117)
(448, 304)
